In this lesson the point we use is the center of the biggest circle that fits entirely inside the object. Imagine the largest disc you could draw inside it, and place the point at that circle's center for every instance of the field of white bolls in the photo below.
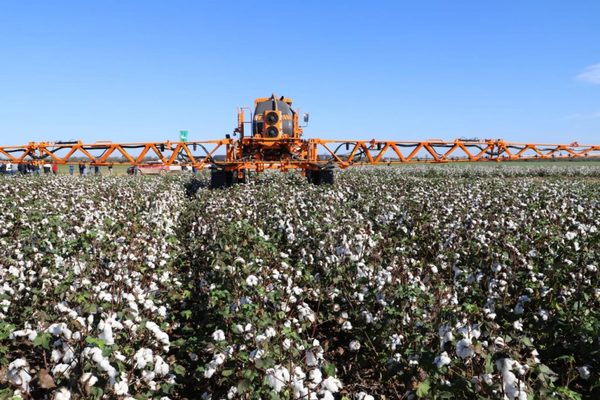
(417, 282)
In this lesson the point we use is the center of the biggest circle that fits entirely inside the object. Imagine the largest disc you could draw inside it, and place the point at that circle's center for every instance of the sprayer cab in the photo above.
(273, 119)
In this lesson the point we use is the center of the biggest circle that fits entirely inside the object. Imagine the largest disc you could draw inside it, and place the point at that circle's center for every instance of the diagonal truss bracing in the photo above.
(343, 153)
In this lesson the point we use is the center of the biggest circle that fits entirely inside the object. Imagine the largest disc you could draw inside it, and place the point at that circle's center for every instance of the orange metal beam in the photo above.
(316, 153)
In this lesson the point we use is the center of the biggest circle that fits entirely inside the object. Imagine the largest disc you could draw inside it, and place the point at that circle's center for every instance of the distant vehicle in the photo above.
(155, 168)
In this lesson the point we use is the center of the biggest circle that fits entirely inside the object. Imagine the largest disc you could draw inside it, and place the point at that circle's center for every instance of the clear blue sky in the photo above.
(143, 70)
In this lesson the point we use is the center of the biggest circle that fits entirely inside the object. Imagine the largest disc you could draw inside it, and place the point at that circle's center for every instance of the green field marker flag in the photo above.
(183, 136)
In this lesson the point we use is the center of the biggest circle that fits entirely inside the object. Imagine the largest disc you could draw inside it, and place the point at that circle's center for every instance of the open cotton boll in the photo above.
(62, 394)
(96, 355)
(442, 360)
(121, 388)
(252, 280)
(584, 372)
(278, 377)
(513, 387)
(60, 329)
(106, 333)
(218, 335)
(61, 370)
(161, 368)
(331, 384)
(464, 348)
(142, 357)
(18, 375)
(87, 379)
(161, 336)
(30, 333)
(315, 376)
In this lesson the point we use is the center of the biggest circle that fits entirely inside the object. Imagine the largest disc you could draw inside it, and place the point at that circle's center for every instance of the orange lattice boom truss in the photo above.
(319, 152)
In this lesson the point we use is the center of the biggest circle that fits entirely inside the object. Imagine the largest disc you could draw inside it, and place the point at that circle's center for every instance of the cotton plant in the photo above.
(420, 281)
(79, 292)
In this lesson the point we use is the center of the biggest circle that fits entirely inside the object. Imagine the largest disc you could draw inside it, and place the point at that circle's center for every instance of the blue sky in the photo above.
(143, 70)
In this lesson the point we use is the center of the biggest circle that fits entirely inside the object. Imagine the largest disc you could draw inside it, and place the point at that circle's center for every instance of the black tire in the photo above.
(313, 176)
(220, 179)
(327, 177)
(320, 176)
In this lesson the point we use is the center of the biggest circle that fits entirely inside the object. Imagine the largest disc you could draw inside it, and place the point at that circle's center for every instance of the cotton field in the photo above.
(419, 282)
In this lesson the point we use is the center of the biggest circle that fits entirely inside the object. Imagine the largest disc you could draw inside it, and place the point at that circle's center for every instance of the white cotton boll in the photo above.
(287, 343)
(299, 391)
(142, 357)
(62, 394)
(219, 358)
(161, 368)
(354, 345)
(311, 360)
(60, 329)
(251, 280)
(534, 355)
(162, 311)
(470, 331)
(148, 376)
(499, 342)
(518, 325)
(464, 348)
(278, 377)
(18, 375)
(106, 333)
(231, 393)
(209, 371)
(256, 354)
(442, 360)
(584, 372)
(315, 376)
(88, 379)
(395, 341)
(260, 338)
(30, 333)
(161, 336)
(61, 370)
(488, 379)
(270, 332)
(306, 313)
(364, 396)
(347, 326)
(121, 388)
(299, 374)
(326, 395)
(570, 235)
(513, 387)
(331, 384)
(56, 355)
(218, 335)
